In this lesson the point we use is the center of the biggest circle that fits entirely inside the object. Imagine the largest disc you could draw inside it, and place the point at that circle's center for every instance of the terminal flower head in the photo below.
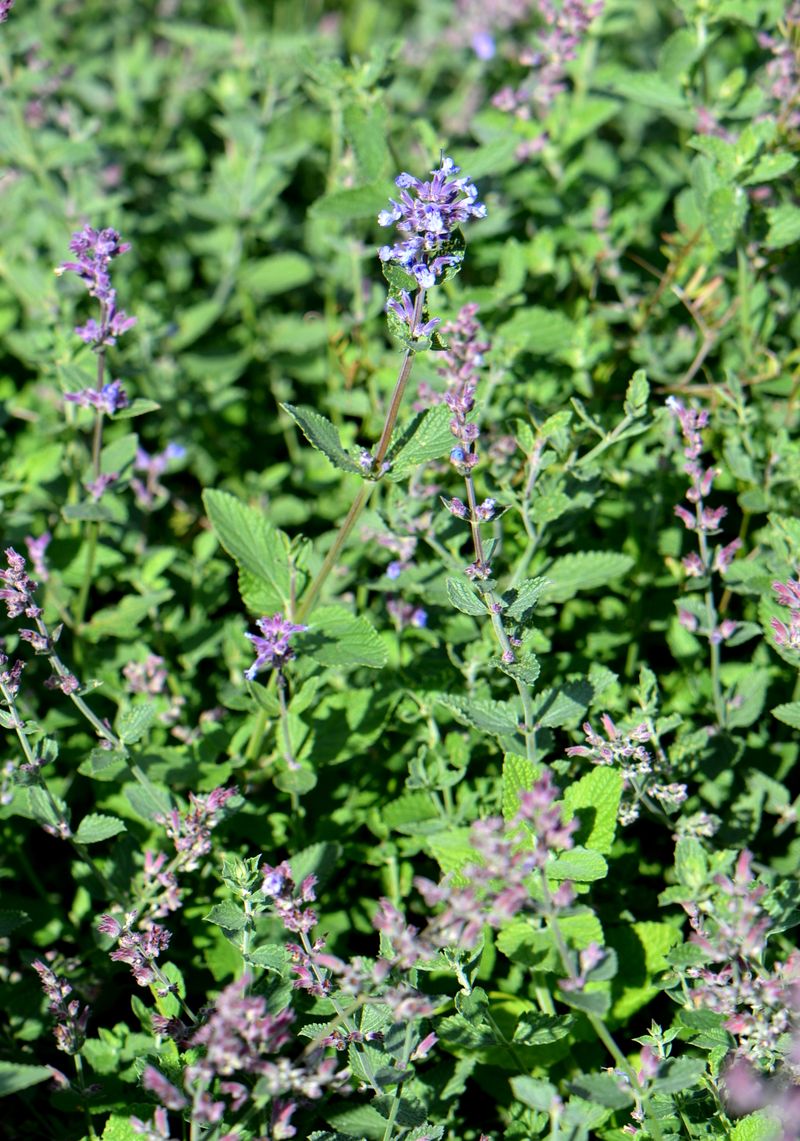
(429, 213)
(272, 645)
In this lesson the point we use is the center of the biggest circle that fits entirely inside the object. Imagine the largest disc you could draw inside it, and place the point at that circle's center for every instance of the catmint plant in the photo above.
(703, 522)
(94, 251)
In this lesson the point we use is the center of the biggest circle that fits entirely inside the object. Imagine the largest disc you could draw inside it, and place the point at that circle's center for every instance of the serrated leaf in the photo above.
(15, 1076)
(605, 1089)
(147, 799)
(134, 722)
(784, 226)
(317, 859)
(595, 800)
(586, 570)
(521, 600)
(788, 713)
(577, 864)
(119, 1128)
(427, 437)
(564, 706)
(464, 598)
(757, 1127)
(410, 808)
(519, 775)
(589, 1001)
(724, 213)
(270, 957)
(96, 827)
(228, 915)
(336, 637)
(525, 669)
(323, 436)
(360, 1121)
(104, 764)
(637, 394)
(679, 1074)
(257, 547)
(496, 717)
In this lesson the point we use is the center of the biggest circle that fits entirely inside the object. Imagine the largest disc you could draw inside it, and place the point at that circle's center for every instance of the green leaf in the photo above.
(691, 864)
(137, 407)
(123, 620)
(564, 706)
(362, 1121)
(258, 549)
(497, 717)
(317, 859)
(788, 713)
(784, 226)
(427, 437)
(519, 775)
(464, 598)
(228, 915)
(590, 1001)
(526, 668)
(770, 167)
(605, 1089)
(351, 205)
(411, 808)
(96, 827)
(679, 1074)
(578, 864)
(757, 1127)
(193, 322)
(323, 435)
(338, 638)
(586, 570)
(104, 764)
(367, 133)
(521, 600)
(11, 920)
(594, 799)
(270, 957)
(543, 332)
(133, 723)
(724, 211)
(147, 799)
(119, 1128)
(266, 277)
(637, 394)
(119, 455)
(15, 1076)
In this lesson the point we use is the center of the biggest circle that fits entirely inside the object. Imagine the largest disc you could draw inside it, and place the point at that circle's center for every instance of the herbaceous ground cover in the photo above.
(401, 608)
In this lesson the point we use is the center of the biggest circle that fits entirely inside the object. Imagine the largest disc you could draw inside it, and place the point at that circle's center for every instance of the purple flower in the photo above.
(429, 212)
(191, 831)
(272, 650)
(70, 1029)
(110, 398)
(404, 308)
(94, 250)
(18, 591)
(5, 8)
(36, 550)
(154, 466)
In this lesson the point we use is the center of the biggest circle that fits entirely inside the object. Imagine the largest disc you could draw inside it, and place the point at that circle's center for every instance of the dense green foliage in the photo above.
(636, 287)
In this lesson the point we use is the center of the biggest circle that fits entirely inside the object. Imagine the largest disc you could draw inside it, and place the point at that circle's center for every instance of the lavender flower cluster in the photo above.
(702, 520)
(555, 46)
(272, 646)
(429, 212)
(640, 769)
(94, 250)
(760, 1005)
